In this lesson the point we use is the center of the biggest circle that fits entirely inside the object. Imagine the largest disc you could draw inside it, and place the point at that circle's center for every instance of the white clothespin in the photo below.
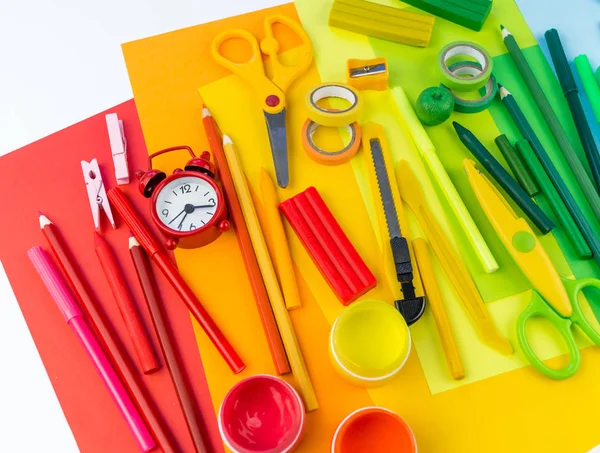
(118, 146)
(96, 192)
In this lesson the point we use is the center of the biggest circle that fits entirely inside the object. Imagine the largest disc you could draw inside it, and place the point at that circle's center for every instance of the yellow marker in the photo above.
(436, 303)
(277, 242)
(459, 276)
(286, 329)
(427, 150)
(373, 130)
(520, 241)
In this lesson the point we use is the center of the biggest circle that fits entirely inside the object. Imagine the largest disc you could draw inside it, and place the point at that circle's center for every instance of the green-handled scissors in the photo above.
(554, 298)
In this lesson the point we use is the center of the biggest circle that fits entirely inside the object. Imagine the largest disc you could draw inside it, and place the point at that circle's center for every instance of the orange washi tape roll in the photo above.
(330, 157)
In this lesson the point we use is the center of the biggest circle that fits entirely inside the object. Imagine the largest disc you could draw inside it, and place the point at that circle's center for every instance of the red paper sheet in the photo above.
(46, 176)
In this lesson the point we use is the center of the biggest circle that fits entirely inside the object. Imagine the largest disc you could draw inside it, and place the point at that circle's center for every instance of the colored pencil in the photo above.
(243, 238)
(168, 346)
(526, 130)
(107, 336)
(159, 256)
(277, 242)
(560, 210)
(569, 88)
(498, 172)
(131, 318)
(282, 316)
(440, 315)
(59, 291)
(587, 186)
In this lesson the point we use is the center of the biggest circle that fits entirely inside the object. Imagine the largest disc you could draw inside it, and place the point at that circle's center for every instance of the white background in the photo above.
(61, 62)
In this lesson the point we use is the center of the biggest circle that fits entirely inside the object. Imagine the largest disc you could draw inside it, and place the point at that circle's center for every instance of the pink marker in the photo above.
(70, 311)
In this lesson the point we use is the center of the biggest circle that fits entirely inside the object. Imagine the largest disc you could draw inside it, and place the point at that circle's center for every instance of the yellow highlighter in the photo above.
(436, 303)
(429, 154)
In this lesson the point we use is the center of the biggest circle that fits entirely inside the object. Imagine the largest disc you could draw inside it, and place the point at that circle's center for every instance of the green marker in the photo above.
(517, 165)
(551, 119)
(590, 85)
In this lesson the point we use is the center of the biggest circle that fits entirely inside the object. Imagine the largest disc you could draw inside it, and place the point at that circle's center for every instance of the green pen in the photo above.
(559, 208)
(503, 178)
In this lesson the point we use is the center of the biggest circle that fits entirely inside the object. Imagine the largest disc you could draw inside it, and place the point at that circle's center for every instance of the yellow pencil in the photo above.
(434, 296)
(286, 329)
(277, 242)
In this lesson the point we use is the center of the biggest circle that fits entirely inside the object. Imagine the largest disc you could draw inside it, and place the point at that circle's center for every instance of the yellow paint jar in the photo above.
(369, 343)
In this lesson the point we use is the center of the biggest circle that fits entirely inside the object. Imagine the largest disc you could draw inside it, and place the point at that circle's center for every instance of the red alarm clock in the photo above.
(188, 206)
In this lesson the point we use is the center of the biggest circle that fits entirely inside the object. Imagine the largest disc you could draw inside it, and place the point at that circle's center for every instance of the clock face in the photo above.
(186, 204)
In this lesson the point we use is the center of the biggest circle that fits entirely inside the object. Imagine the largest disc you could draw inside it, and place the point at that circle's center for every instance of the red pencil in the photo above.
(168, 346)
(107, 336)
(243, 238)
(133, 323)
(143, 234)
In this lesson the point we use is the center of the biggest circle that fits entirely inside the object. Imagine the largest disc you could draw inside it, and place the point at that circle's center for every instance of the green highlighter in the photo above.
(503, 178)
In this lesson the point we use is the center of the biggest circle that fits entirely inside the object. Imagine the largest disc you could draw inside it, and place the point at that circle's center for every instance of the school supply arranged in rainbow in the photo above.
(339, 285)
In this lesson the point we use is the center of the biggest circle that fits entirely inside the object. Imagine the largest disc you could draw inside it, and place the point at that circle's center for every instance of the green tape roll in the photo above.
(469, 51)
(472, 69)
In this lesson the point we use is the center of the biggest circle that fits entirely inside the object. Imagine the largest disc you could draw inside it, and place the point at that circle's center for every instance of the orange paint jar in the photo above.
(373, 430)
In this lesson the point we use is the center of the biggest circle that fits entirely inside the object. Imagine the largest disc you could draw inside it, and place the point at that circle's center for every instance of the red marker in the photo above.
(127, 308)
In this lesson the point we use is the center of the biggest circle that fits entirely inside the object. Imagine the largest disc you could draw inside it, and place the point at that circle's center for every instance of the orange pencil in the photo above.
(241, 232)
(137, 334)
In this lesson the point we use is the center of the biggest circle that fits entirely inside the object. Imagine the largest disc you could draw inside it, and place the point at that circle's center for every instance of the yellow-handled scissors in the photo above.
(271, 92)
(554, 298)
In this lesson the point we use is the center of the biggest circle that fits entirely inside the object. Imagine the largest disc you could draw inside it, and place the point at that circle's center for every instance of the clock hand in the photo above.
(181, 223)
(205, 206)
(174, 218)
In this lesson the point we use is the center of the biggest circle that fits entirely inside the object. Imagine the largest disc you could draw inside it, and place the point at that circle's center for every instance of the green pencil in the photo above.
(548, 190)
(525, 128)
(551, 119)
(503, 178)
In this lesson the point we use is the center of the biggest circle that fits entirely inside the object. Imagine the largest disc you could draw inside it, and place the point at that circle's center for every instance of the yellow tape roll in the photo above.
(334, 117)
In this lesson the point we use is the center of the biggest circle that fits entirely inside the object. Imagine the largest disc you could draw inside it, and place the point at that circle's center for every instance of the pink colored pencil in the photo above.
(74, 318)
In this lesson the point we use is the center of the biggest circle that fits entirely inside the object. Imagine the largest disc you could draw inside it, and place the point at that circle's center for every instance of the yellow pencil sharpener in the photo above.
(368, 74)
(369, 343)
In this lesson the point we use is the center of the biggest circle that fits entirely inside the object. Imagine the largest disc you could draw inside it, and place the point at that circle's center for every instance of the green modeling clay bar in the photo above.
(468, 13)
